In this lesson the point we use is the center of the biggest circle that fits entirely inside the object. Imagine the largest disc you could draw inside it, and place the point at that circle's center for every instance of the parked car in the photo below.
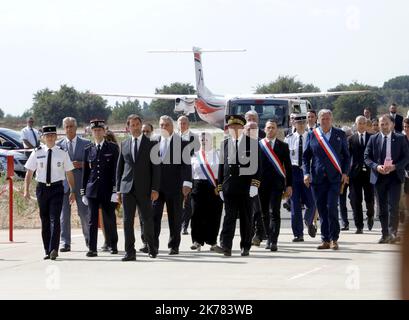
(10, 140)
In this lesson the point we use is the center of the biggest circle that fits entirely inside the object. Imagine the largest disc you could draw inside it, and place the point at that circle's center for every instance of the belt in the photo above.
(57, 183)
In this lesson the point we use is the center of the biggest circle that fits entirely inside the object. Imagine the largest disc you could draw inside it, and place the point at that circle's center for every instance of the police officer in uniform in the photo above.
(238, 182)
(301, 194)
(99, 186)
(52, 164)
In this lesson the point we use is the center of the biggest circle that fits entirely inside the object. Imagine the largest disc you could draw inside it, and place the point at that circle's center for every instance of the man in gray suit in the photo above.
(138, 180)
(75, 146)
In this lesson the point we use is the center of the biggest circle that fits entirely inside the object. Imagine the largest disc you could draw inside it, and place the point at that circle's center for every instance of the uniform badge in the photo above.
(58, 164)
(338, 138)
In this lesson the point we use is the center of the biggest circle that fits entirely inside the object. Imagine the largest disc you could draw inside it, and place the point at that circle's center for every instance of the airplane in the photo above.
(212, 108)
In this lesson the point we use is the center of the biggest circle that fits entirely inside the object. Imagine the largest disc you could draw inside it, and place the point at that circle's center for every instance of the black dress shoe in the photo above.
(268, 246)
(221, 250)
(227, 252)
(129, 258)
(298, 239)
(173, 251)
(384, 240)
(114, 251)
(46, 257)
(273, 247)
(144, 249)
(105, 248)
(65, 248)
(53, 254)
(153, 255)
(359, 231)
(185, 232)
(370, 223)
(312, 231)
(91, 254)
(245, 252)
(345, 228)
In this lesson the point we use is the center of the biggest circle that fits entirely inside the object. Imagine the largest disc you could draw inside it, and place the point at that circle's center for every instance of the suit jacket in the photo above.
(78, 156)
(141, 175)
(261, 134)
(99, 174)
(176, 168)
(270, 178)
(316, 162)
(357, 151)
(229, 179)
(399, 153)
(398, 123)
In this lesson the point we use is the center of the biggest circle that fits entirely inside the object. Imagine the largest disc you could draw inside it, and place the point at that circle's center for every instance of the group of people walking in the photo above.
(250, 175)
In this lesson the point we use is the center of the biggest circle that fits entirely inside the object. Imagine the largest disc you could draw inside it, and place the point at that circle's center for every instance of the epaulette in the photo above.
(38, 148)
(219, 188)
(291, 134)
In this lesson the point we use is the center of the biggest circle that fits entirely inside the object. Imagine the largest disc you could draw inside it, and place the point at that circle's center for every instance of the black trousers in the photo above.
(270, 205)
(206, 213)
(143, 203)
(109, 217)
(50, 201)
(360, 184)
(174, 208)
(236, 206)
(343, 209)
(187, 213)
(389, 189)
(258, 222)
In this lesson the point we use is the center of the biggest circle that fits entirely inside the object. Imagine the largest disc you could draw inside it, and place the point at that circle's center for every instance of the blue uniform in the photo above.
(326, 180)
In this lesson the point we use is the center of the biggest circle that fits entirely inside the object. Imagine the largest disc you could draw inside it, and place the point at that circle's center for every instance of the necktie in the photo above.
(35, 137)
(164, 148)
(237, 151)
(135, 149)
(300, 148)
(98, 150)
(70, 150)
(362, 140)
(383, 152)
(48, 175)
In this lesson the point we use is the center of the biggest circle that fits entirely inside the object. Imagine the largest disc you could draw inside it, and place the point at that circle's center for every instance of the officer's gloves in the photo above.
(84, 200)
(221, 195)
(253, 191)
(114, 197)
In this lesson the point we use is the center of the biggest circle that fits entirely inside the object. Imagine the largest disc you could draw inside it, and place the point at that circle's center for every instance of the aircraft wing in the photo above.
(301, 94)
(148, 96)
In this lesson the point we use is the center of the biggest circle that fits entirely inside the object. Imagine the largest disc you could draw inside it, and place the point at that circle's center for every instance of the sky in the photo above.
(101, 45)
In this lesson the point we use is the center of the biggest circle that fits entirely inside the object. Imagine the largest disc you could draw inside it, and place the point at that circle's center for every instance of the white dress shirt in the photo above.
(60, 163)
(293, 142)
(27, 134)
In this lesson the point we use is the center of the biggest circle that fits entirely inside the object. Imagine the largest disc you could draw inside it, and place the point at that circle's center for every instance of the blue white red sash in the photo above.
(272, 157)
(204, 165)
(329, 151)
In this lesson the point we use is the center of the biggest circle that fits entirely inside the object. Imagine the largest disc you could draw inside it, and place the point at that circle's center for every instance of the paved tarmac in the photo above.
(361, 269)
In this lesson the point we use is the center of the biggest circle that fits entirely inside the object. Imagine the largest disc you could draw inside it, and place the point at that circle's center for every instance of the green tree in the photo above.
(286, 84)
(92, 107)
(165, 107)
(121, 111)
(397, 83)
(347, 108)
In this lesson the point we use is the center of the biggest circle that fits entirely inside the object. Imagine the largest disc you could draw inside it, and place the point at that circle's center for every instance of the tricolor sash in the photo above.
(328, 150)
(272, 157)
(204, 165)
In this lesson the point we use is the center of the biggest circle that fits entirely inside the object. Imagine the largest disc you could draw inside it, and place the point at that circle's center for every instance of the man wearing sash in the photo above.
(325, 165)
(238, 182)
(206, 204)
(276, 179)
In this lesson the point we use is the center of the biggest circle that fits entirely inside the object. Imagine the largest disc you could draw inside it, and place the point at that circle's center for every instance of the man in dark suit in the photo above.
(252, 116)
(99, 186)
(75, 147)
(193, 140)
(387, 154)
(175, 182)
(359, 176)
(238, 179)
(397, 119)
(276, 180)
(326, 164)
(137, 184)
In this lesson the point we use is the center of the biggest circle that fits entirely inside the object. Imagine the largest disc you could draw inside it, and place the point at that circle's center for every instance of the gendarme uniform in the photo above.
(301, 194)
(99, 185)
(50, 166)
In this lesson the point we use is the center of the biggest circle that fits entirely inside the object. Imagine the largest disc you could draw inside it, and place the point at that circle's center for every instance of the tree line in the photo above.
(52, 106)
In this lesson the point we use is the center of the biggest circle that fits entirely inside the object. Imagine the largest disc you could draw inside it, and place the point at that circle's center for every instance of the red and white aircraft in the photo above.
(212, 108)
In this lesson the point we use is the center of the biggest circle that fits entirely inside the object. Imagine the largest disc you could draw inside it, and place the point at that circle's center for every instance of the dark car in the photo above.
(10, 140)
